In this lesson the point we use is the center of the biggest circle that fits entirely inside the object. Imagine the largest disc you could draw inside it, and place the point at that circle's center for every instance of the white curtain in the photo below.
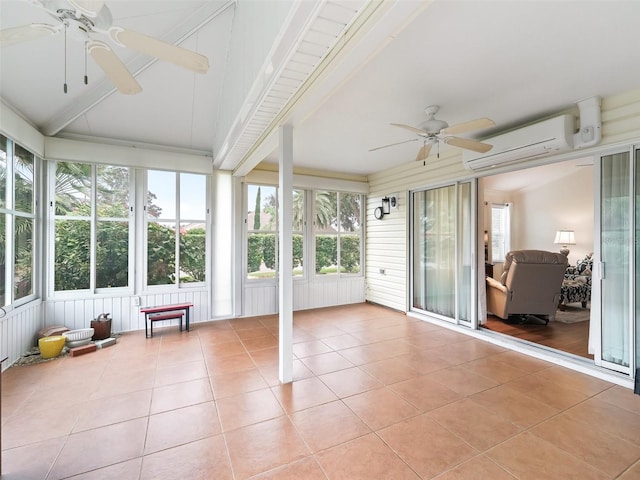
(615, 239)
(442, 251)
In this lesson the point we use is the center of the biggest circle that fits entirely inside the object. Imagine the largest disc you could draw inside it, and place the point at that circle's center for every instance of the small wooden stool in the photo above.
(161, 316)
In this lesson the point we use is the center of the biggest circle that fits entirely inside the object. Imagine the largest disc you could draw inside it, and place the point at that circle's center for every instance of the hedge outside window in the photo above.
(262, 232)
(338, 231)
(176, 228)
(92, 226)
(17, 222)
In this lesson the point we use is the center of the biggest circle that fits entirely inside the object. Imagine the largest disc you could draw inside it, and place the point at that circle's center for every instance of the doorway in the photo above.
(525, 210)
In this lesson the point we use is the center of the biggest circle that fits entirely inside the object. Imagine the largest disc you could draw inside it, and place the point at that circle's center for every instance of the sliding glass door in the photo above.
(443, 252)
(616, 234)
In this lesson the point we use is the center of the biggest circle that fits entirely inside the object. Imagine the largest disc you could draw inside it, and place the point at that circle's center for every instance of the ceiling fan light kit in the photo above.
(433, 131)
(84, 20)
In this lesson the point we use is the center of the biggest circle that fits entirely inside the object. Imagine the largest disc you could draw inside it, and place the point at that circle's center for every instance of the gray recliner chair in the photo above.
(529, 286)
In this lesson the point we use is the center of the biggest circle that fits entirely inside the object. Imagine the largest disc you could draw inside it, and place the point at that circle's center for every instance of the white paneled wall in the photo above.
(18, 331)
(262, 298)
(78, 313)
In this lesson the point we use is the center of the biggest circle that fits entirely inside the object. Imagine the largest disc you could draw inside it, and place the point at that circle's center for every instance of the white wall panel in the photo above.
(262, 298)
(126, 316)
(18, 331)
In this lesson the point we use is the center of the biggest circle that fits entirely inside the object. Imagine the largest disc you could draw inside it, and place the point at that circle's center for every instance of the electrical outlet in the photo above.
(136, 301)
(382, 271)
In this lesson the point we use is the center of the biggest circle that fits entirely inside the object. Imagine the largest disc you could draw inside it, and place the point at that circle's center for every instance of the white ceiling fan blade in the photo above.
(476, 124)
(113, 68)
(392, 144)
(424, 152)
(162, 50)
(410, 128)
(90, 8)
(468, 144)
(24, 33)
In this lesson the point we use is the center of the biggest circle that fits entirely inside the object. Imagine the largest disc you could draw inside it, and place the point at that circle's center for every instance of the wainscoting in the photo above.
(17, 331)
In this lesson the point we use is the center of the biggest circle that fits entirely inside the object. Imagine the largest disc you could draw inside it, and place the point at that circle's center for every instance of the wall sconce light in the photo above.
(386, 205)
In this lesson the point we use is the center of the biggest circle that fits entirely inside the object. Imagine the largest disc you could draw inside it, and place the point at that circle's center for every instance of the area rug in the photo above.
(573, 314)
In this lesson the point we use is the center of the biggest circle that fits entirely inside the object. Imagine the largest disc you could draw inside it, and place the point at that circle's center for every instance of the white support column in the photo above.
(285, 248)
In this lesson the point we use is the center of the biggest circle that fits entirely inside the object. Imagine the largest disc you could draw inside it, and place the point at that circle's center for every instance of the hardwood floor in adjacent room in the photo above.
(567, 337)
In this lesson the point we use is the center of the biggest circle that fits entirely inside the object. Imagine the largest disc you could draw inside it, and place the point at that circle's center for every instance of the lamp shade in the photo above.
(565, 237)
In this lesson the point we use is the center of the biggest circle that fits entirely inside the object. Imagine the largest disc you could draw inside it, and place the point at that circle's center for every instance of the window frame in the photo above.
(94, 219)
(338, 234)
(504, 210)
(177, 221)
(11, 213)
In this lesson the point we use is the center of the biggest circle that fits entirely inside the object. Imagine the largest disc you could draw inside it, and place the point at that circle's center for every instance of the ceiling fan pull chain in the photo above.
(86, 78)
(65, 58)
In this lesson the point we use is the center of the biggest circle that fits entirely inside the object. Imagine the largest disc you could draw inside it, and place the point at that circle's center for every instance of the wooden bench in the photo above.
(165, 312)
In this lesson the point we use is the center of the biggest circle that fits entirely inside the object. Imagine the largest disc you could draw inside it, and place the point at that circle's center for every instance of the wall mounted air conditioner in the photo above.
(543, 138)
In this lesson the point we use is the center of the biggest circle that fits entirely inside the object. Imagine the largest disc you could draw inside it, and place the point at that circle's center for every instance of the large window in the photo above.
(176, 228)
(17, 222)
(92, 227)
(262, 231)
(338, 221)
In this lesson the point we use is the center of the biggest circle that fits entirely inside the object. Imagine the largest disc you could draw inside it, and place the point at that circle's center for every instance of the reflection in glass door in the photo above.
(615, 241)
(442, 251)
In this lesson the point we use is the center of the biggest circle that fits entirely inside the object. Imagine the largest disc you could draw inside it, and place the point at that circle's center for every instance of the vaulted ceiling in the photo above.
(510, 61)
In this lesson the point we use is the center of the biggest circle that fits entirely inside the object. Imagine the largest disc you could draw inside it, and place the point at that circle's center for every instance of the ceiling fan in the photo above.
(432, 131)
(87, 20)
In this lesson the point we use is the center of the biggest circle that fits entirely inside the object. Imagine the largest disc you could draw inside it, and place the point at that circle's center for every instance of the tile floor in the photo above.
(376, 395)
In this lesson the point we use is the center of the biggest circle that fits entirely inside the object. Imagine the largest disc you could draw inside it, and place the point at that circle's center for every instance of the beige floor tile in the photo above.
(227, 364)
(129, 470)
(212, 353)
(349, 381)
(392, 370)
(479, 427)
(109, 410)
(307, 349)
(478, 468)
(609, 418)
(248, 408)
(521, 361)
(554, 394)
(26, 428)
(380, 408)
(461, 380)
(200, 460)
(608, 453)
(180, 372)
(260, 343)
(233, 383)
(364, 458)
(584, 384)
(100, 447)
(425, 394)
(413, 440)
(264, 446)
(631, 473)
(513, 406)
(307, 469)
(180, 395)
(620, 397)
(528, 457)
(301, 394)
(31, 461)
(328, 425)
(180, 426)
(326, 363)
(341, 342)
(501, 372)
